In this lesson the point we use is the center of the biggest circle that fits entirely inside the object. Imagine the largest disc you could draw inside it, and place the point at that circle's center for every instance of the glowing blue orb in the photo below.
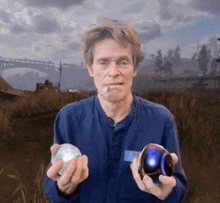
(155, 160)
(152, 162)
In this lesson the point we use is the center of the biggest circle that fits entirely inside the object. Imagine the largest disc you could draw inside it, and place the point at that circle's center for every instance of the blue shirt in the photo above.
(85, 125)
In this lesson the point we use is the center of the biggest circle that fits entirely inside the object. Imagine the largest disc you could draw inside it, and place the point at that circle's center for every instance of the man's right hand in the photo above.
(76, 172)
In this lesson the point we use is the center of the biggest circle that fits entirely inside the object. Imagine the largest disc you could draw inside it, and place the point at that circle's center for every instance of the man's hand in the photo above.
(161, 191)
(76, 172)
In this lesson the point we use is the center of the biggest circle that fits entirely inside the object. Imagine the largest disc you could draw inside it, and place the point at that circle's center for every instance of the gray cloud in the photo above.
(17, 29)
(165, 14)
(41, 25)
(44, 25)
(63, 4)
(5, 16)
(165, 3)
(211, 6)
(164, 11)
(101, 19)
(19, 41)
(37, 49)
(74, 46)
(148, 31)
(135, 8)
(182, 18)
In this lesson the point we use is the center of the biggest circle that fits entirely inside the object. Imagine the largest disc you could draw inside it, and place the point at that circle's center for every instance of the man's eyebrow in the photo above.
(109, 58)
(123, 58)
(103, 59)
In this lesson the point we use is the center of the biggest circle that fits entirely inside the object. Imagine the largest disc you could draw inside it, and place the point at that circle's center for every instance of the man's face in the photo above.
(112, 67)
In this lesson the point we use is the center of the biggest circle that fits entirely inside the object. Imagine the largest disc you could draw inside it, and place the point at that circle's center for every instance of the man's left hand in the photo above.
(161, 191)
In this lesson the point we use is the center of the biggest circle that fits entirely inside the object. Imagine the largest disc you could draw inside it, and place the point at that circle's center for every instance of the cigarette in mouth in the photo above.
(104, 91)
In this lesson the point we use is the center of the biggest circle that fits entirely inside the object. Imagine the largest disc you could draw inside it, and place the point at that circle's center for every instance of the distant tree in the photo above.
(209, 51)
(165, 58)
(168, 68)
(194, 57)
(159, 62)
(214, 66)
(176, 57)
(194, 61)
(170, 55)
(153, 56)
(204, 58)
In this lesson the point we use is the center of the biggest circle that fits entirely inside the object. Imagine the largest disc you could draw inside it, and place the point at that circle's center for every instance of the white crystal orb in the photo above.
(65, 152)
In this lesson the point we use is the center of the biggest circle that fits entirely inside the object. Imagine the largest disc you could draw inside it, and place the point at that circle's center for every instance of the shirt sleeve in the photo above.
(170, 141)
(51, 190)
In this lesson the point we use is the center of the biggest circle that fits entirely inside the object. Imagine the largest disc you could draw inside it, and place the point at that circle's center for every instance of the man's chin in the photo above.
(114, 97)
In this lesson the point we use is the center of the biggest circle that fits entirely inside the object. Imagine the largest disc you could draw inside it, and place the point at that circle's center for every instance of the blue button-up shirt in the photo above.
(109, 150)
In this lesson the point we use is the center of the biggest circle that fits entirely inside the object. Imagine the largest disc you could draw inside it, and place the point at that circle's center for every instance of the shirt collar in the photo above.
(109, 120)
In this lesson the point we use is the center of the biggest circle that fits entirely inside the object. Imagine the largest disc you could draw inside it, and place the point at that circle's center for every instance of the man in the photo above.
(110, 125)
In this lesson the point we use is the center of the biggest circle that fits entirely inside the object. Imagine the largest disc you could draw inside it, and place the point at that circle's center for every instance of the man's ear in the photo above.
(90, 70)
(135, 72)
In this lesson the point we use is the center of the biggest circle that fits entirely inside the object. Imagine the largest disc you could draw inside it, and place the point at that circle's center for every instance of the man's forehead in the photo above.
(113, 55)
(111, 48)
(116, 57)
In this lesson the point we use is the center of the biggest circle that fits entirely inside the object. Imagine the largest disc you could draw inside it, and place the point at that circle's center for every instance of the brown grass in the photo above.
(198, 129)
(31, 105)
(197, 125)
(26, 192)
(39, 103)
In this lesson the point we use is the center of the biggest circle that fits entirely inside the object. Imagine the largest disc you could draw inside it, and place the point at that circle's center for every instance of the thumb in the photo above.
(54, 147)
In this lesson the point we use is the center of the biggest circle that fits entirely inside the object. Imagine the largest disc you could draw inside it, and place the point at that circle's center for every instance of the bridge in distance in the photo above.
(6, 63)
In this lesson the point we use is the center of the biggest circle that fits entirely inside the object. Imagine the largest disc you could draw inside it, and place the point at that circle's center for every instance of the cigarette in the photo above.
(104, 91)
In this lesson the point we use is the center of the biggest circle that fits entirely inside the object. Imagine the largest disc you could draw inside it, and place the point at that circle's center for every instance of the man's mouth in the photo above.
(120, 83)
(110, 86)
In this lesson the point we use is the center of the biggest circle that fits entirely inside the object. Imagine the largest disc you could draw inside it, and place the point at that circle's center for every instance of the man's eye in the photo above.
(102, 62)
(123, 63)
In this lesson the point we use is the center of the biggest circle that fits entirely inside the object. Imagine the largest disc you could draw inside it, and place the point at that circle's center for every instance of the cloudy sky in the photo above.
(51, 30)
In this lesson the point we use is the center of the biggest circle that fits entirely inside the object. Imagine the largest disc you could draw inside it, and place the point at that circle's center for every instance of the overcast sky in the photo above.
(51, 30)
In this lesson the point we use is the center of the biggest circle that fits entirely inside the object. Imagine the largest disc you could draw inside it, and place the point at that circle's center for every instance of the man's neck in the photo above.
(117, 110)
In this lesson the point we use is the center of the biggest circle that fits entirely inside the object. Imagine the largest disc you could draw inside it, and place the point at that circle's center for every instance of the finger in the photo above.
(68, 173)
(54, 169)
(167, 181)
(139, 160)
(66, 189)
(70, 190)
(76, 179)
(54, 147)
(85, 161)
(175, 158)
(85, 172)
(150, 186)
(134, 168)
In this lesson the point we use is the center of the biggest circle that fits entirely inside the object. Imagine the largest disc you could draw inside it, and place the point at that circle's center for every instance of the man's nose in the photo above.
(113, 70)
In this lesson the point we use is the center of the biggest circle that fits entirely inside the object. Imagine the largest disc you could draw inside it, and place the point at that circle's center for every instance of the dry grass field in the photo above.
(26, 135)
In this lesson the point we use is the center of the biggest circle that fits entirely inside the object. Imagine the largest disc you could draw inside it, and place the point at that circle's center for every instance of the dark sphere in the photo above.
(155, 161)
